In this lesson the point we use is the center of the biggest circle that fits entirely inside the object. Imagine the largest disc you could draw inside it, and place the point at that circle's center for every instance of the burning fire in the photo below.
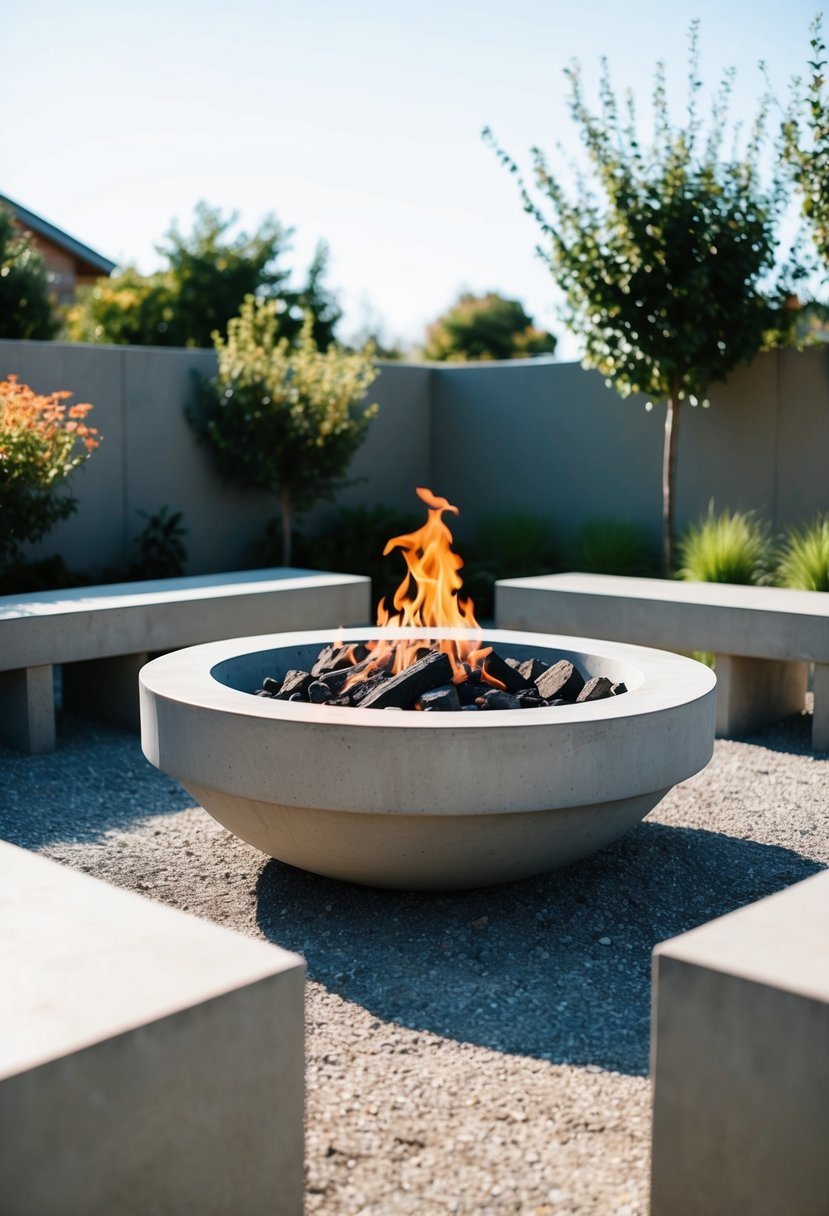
(428, 597)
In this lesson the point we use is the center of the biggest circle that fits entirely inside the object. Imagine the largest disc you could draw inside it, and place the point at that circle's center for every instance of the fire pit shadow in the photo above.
(557, 967)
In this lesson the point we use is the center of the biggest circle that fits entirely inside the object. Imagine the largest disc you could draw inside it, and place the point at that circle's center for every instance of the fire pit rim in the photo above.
(188, 677)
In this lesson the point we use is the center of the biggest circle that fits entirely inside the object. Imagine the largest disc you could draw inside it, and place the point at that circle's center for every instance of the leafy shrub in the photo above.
(732, 547)
(612, 546)
(281, 418)
(353, 542)
(161, 551)
(505, 546)
(804, 557)
(42, 441)
(22, 577)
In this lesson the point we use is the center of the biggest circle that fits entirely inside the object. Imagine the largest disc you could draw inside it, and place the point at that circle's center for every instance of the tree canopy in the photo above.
(485, 327)
(806, 146)
(206, 276)
(281, 417)
(660, 252)
(26, 310)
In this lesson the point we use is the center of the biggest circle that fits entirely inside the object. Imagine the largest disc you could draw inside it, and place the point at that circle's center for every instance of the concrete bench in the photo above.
(740, 1061)
(149, 1061)
(103, 635)
(764, 638)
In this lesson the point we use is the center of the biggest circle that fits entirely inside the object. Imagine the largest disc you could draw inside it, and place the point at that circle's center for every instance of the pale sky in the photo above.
(357, 123)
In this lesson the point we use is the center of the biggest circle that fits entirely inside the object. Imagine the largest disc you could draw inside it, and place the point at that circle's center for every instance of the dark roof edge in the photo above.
(44, 228)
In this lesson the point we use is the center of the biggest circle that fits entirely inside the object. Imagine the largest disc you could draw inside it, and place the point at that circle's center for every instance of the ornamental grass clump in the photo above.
(43, 440)
(804, 557)
(732, 547)
(283, 418)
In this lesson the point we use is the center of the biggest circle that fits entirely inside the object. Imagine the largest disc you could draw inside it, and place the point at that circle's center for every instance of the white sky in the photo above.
(359, 123)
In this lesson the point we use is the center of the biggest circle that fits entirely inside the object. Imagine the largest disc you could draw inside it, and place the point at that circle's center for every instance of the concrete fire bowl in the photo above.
(437, 801)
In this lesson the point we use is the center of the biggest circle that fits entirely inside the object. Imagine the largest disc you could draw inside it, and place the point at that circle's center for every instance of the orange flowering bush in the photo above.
(43, 440)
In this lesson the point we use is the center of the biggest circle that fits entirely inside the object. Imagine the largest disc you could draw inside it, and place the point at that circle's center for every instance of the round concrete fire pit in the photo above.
(435, 801)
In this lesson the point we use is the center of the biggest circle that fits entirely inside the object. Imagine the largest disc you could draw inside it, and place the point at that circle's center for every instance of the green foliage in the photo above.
(803, 560)
(207, 275)
(160, 551)
(510, 545)
(613, 546)
(732, 547)
(805, 144)
(25, 307)
(280, 418)
(485, 327)
(352, 542)
(22, 576)
(661, 252)
(42, 441)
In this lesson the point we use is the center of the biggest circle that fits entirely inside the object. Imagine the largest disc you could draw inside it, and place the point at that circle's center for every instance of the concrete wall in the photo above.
(149, 456)
(541, 437)
(552, 439)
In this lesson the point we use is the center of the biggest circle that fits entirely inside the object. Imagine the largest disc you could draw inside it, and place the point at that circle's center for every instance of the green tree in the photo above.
(206, 276)
(485, 327)
(661, 254)
(26, 309)
(805, 145)
(281, 417)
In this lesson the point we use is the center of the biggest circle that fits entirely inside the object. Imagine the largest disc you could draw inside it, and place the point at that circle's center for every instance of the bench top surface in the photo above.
(782, 941)
(198, 587)
(81, 961)
(673, 591)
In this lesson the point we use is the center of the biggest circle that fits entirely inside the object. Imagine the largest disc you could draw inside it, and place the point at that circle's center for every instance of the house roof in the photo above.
(90, 260)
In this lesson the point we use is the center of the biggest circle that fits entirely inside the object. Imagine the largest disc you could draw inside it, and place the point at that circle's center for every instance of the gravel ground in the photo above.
(479, 1053)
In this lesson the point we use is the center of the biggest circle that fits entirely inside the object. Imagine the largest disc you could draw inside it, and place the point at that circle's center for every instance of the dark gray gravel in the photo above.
(484, 1052)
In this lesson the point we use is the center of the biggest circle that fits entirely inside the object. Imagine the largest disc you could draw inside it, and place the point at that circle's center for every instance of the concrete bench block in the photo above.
(740, 1061)
(751, 693)
(149, 1061)
(103, 635)
(764, 638)
(27, 708)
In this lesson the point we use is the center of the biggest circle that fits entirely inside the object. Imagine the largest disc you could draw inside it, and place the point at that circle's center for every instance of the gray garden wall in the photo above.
(542, 437)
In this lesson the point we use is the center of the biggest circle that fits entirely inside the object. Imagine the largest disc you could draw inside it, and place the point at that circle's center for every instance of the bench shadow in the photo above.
(557, 967)
(79, 792)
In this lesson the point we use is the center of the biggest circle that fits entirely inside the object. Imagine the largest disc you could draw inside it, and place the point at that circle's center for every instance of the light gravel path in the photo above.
(480, 1053)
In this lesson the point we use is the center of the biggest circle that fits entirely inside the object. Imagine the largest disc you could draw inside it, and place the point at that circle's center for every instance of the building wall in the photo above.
(546, 438)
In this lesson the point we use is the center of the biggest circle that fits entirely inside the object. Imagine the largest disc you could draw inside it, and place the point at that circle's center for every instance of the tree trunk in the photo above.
(669, 452)
(287, 528)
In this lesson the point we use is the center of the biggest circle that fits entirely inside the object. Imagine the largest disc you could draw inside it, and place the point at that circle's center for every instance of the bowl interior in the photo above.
(245, 672)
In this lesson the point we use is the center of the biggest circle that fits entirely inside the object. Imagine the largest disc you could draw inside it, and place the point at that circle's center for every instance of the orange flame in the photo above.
(428, 597)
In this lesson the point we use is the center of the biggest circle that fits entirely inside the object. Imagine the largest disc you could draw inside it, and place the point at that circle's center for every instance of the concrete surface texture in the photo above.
(741, 1061)
(149, 1061)
(104, 635)
(764, 444)
(480, 1053)
(762, 637)
(436, 801)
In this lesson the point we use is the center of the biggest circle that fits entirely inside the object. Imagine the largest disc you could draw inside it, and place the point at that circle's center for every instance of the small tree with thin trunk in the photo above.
(283, 418)
(661, 251)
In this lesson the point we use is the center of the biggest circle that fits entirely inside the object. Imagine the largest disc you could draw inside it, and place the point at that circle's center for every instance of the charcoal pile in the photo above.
(353, 676)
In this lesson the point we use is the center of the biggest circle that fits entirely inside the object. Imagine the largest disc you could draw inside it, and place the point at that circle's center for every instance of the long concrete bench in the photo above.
(740, 1061)
(149, 1061)
(103, 635)
(764, 638)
